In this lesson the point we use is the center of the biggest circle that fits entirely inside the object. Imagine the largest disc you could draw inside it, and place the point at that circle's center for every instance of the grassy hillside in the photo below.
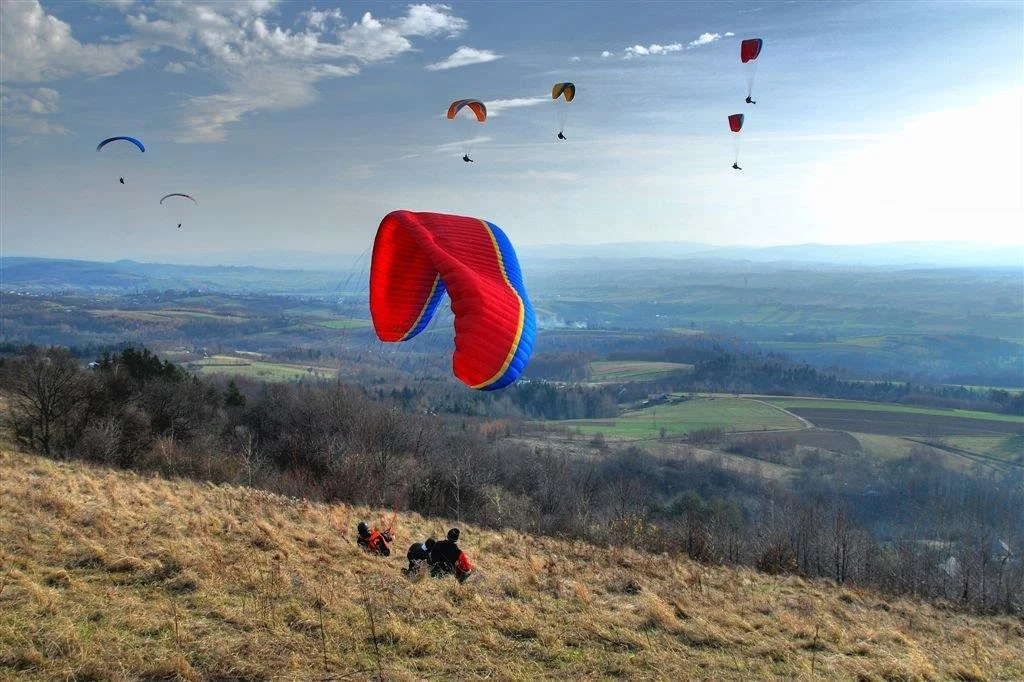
(108, 575)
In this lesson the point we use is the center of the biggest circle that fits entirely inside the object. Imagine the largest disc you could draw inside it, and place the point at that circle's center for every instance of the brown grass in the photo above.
(115, 576)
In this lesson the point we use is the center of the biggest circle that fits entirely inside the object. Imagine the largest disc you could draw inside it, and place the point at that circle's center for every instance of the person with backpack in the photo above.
(373, 540)
(446, 558)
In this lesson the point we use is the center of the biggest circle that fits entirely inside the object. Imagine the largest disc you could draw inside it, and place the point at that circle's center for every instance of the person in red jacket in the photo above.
(373, 540)
(446, 558)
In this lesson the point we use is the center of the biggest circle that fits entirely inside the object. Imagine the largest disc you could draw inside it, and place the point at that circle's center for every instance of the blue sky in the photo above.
(298, 126)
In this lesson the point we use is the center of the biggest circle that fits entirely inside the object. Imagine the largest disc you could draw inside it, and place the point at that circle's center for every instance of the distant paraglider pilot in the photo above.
(749, 101)
(179, 226)
(561, 135)
(121, 180)
(465, 157)
(373, 540)
(446, 558)
(736, 166)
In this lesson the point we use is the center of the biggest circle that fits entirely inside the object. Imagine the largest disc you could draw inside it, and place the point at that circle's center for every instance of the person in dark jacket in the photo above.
(418, 556)
(446, 558)
(373, 540)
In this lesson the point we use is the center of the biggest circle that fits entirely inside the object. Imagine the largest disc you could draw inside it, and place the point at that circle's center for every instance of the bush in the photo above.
(777, 559)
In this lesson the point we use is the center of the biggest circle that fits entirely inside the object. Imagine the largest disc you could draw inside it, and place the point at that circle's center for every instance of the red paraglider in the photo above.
(750, 49)
(736, 125)
(419, 256)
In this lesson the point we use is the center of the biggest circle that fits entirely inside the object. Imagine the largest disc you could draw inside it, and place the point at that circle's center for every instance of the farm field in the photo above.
(1007, 448)
(632, 370)
(830, 404)
(895, 423)
(728, 414)
(231, 365)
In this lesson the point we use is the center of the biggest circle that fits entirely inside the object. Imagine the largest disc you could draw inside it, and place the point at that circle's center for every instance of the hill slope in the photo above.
(109, 575)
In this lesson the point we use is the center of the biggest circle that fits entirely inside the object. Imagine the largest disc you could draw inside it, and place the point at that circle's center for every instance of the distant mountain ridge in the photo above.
(300, 272)
(896, 254)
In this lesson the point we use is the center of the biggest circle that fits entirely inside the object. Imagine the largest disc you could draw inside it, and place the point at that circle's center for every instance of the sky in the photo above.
(298, 126)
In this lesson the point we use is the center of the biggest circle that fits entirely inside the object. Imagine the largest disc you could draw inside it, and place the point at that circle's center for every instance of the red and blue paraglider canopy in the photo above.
(417, 257)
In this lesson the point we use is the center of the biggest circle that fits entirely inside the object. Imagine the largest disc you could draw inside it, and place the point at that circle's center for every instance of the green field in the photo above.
(1006, 448)
(828, 404)
(728, 414)
(258, 369)
(632, 370)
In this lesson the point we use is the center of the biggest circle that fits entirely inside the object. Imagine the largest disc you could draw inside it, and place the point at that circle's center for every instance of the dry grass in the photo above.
(107, 575)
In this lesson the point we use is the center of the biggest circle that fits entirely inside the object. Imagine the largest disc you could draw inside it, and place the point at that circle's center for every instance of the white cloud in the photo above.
(704, 39)
(430, 20)
(262, 65)
(369, 40)
(37, 47)
(729, 34)
(269, 68)
(314, 18)
(464, 56)
(25, 109)
(266, 89)
(645, 50)
(654, 49)
(574, 59)
(496, 106)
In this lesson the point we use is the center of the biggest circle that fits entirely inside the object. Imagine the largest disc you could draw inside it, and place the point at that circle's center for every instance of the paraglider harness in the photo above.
(373, 540)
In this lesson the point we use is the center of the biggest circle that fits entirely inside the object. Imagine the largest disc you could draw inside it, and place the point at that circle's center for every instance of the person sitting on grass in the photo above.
(373, 540)
(418, 556)
(446, 558)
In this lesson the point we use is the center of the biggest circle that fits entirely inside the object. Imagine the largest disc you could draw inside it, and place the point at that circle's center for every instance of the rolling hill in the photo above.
(108, 575)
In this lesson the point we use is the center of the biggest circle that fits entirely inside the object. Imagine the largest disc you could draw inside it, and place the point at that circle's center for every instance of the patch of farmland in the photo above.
(903, 423)
(836, 441)
(632, 370)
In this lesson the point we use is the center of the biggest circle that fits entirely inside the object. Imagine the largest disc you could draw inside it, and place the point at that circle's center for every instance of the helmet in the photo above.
(453, 535)
(362, 528)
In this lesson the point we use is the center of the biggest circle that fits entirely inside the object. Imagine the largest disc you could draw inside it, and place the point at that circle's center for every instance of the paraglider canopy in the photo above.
(134, 141)
(178, 194)
(736, 122)
(564, 90)
(750, 49)
(417, 257)
(475, 105)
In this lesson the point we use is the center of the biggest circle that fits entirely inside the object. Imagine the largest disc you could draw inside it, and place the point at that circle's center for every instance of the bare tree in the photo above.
(47, 389)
